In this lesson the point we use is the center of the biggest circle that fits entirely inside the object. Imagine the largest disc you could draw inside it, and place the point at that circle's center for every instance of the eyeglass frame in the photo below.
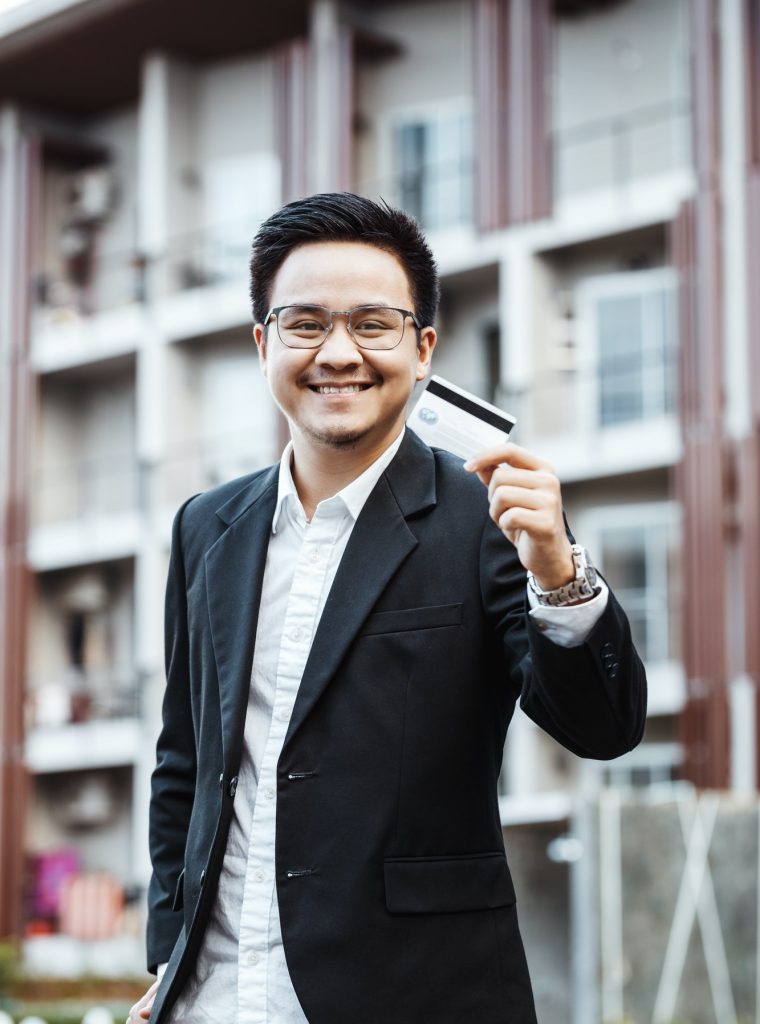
(275, 310)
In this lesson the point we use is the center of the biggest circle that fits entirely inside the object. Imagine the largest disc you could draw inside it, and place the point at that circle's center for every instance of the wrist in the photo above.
(581, 587)
(559, 576)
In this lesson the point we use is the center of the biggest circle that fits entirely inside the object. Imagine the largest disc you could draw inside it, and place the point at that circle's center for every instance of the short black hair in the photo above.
(344, 217)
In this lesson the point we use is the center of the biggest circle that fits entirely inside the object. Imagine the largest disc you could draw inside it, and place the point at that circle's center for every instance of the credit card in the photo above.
(446, 416)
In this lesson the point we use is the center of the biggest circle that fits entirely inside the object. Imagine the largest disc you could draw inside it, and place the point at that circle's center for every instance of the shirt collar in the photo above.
(353, 496)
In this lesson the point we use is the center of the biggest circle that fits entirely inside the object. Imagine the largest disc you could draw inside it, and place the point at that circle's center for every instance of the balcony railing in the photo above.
(615, 151)
(71, 697)
(438, 195)
(198, 464)
(112, 280)
(212, 255)
(86, 488)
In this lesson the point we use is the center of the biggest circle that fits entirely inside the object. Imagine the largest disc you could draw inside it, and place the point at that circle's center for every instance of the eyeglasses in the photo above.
(371, 327)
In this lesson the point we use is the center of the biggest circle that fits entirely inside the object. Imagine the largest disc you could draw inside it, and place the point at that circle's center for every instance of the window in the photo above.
(650, 764)
(432, 157)
(628, 335)
(635, 548)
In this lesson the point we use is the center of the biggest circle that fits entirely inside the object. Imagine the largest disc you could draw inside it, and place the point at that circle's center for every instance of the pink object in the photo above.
(50, 871)
(90, 905)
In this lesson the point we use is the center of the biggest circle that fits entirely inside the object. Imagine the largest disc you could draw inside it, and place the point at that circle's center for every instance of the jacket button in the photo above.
(612, 670)
(233, 785)
(607, 650)
(203, 876)
(221, 780)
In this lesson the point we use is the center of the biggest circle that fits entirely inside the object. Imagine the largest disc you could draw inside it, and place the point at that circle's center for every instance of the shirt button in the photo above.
(314, 555)
(258, 876)
(269, 793)
(253, 959)
(283, 714)
(296, 634)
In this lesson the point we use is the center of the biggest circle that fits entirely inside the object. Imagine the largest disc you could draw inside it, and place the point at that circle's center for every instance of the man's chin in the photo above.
(338, 438)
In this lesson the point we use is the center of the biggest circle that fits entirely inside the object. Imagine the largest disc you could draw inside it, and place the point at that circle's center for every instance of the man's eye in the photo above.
(306, 326)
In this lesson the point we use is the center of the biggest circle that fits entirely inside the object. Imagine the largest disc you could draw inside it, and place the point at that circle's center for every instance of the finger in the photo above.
(530, 479)
(515, 497)
(535, 522)
(510, 453)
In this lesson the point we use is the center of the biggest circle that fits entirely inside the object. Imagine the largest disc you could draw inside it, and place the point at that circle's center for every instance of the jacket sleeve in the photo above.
(590, 698)
(173, 780)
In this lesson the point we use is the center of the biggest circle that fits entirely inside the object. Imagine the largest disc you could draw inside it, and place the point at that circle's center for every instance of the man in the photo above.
(347, 635)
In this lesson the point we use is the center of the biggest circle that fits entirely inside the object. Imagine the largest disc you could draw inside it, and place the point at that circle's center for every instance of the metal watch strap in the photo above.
(582, 588)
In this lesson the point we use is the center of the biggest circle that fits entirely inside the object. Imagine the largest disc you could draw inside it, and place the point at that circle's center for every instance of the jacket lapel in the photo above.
(234, 574)
(380, 541)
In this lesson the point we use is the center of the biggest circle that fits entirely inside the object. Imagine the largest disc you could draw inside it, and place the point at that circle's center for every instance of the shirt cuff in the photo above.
(568, 625)
(161, 970)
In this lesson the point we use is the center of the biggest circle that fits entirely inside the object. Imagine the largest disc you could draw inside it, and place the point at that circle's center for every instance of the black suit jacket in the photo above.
(387, 781)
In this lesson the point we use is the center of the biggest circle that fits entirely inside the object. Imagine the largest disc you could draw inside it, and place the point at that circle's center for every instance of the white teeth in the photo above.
(351, 389)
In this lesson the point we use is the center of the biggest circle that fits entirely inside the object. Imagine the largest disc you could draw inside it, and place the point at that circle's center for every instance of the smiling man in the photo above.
(347, 635)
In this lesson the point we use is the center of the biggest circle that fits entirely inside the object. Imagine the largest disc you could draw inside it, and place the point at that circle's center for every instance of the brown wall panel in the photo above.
(15, 425)
(512, 65)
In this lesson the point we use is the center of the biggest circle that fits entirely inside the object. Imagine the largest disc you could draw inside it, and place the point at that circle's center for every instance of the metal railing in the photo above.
(615, 151)
(122, 278)
(197, 464)
(74, 696)
(437, 194)
(85, 488)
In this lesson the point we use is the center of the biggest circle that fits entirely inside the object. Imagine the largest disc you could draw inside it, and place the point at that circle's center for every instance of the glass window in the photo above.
(636, 356)
(433, 168)
(628, 336)
(638, 561)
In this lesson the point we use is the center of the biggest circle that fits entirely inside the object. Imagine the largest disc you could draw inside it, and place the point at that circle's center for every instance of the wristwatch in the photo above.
(584, 586)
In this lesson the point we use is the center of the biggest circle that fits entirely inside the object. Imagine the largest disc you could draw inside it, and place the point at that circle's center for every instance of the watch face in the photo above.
(591, 574)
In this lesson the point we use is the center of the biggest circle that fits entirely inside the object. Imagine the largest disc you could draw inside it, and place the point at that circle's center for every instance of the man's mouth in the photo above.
(338, 389)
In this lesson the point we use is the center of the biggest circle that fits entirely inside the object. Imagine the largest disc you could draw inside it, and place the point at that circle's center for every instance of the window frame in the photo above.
(589, 292)
(667, 680)
(428, 112)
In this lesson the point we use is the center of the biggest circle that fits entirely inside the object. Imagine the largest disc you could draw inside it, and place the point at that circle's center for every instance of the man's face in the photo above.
(341, 275)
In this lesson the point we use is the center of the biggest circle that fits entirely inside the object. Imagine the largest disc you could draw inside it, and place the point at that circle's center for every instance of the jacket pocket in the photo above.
(437, 885)
(403, 619)
(179, 892)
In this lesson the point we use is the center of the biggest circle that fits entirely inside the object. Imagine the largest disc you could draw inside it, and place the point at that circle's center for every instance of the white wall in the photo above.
(222, 420)
(433, 69)
(609, 65)
(238, 166)
(86, 445)
(468, 309)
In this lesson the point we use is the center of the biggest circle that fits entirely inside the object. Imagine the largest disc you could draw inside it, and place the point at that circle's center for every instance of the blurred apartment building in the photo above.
(587, 173)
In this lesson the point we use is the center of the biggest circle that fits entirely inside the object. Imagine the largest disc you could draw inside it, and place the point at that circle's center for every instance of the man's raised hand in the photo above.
(526, 504)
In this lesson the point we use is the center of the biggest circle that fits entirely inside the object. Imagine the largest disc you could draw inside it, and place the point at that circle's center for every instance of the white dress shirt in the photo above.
(241, 976)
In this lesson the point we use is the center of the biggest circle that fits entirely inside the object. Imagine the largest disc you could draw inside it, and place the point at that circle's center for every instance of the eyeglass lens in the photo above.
(371, 326)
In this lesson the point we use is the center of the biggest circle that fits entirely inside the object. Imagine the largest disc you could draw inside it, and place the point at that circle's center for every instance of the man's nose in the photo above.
(339, 348)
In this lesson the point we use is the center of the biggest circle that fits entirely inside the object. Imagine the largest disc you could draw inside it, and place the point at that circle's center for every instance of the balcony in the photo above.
(427, 166)
(602, 399)
(84, 511)
(612, 153)
(79, 720)
(195, 465)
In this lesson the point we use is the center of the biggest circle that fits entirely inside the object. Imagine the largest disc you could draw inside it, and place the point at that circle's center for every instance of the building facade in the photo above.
(588, 173)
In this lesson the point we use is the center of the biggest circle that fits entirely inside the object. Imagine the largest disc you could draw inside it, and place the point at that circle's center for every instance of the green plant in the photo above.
(9, 966)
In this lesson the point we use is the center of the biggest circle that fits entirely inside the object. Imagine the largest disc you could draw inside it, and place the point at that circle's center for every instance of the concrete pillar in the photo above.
(331, 73)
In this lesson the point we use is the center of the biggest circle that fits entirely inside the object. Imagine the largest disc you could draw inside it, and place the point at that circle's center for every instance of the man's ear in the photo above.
(425, 347)
(260, 337)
